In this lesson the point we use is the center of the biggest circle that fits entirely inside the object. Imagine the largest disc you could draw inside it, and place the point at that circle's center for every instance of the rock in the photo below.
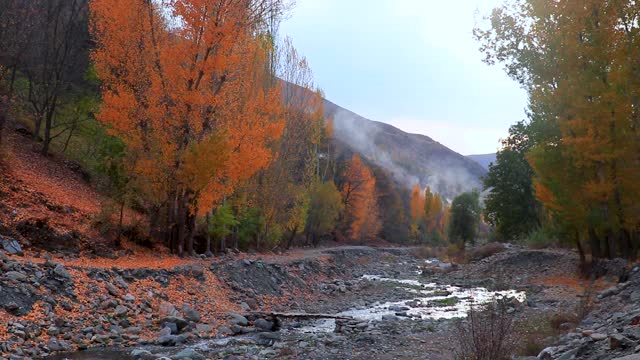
(128, 297)
(619, 341)
(238, 319)
(167, 340)
(191, 314)
(188, 354)
(61, 272)
(139, 353)
(112, 290)
(629, 357)
(180, 323)
(546, 354)
(203, 328)
(225, 330)
(16, 276)
(11, 246)
(12, 307)
(166, 331)
(121, 311)
(263, 324)
(598, 336)
(56, 345)
(389, 317)
(167, 309)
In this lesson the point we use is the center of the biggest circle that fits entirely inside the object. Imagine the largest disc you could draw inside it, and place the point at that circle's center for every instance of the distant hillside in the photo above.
(409, 158)
(483, 159)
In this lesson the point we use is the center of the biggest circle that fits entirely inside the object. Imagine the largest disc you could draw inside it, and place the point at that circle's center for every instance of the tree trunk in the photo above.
(292, 236)
(48, 124)
(191, 228)
(119, 238)
(594, 244)
(208, 221)
(611, 245)
(3, 115)
(580, 250)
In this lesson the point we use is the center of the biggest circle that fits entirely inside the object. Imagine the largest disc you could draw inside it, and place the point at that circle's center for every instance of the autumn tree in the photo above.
(282, 190)
(186, 86)
(359, 195)
(324, 210)
(577, 61)
(418, 219)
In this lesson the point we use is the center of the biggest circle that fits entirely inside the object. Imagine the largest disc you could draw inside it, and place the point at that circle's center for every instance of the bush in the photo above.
(427, 252)
(539, 238)
(486, 250)
(486, 334)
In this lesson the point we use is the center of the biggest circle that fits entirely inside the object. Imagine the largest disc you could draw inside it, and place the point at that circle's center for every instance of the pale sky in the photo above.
(409, 63)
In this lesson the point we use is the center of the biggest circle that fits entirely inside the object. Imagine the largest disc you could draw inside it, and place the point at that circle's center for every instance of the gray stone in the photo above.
(191, 314)
(238, 319)
(619, 341)
(166, 331)
(180, 323)
(167, 309)
(121, 310)
(61, 272)
(629, 357)
(11, 246)
(16, 276)
(111, 289)
(167, 340)
(264, 324)
(598, 336)
(188, 354)
(139, 353)
(203, 328)
(128, 297)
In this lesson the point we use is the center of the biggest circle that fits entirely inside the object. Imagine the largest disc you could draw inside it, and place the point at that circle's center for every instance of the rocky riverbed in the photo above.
(390, 303)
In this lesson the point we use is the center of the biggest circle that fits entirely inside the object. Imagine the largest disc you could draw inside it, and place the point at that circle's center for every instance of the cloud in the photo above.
(464, 138)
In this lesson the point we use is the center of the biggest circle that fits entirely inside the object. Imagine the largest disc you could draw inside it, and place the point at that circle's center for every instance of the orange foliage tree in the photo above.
(360, 200)
(187, 87)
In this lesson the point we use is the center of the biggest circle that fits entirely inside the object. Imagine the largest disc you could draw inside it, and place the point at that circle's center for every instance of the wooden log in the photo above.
(300, 315)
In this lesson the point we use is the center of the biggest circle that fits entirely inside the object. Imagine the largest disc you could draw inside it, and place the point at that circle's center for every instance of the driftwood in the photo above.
(300, 315)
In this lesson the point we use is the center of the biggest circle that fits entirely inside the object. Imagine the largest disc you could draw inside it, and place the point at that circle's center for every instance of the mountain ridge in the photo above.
(409, 158)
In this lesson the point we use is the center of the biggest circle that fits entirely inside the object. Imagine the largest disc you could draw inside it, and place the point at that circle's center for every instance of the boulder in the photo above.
(238, 319)
(180, 323)
(263, 324)
(191, 314)
(11, 246)
(619, 341)
(16, 276)
(61, 272)
(188, 354)
(167, 309)
(112, 290)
